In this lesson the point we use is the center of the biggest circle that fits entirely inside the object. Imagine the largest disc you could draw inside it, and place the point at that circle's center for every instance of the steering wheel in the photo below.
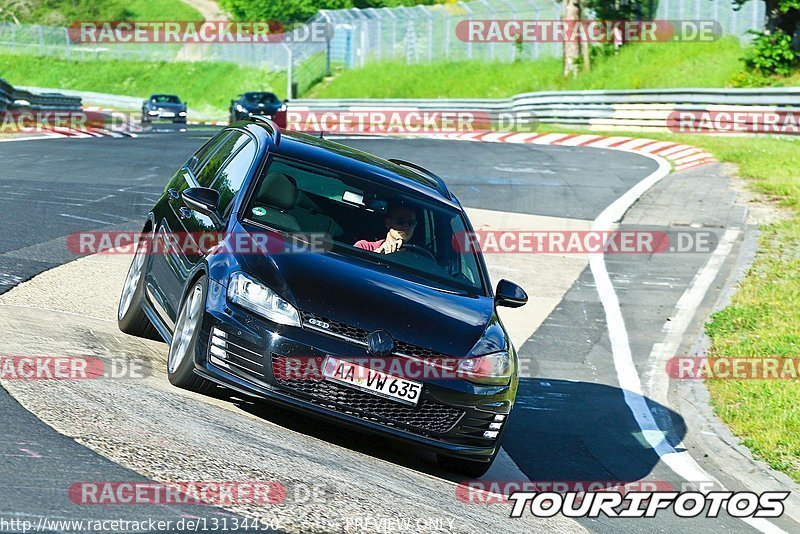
(416, 249)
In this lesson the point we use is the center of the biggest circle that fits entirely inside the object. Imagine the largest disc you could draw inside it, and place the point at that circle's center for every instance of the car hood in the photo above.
(256, 107)
(364, 295)
(168, 106)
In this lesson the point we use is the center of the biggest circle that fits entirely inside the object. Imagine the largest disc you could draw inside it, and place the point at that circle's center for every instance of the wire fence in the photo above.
(420, 34)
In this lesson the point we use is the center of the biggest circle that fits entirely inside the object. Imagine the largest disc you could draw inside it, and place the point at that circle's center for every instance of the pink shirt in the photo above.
(372, 246)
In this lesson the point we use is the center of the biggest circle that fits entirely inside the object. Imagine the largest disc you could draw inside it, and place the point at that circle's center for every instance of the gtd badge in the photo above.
(380, 343)
(321, 324)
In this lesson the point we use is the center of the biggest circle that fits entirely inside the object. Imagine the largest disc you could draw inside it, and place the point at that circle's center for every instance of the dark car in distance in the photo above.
(164, 107)
(258, 104)
(239, 317)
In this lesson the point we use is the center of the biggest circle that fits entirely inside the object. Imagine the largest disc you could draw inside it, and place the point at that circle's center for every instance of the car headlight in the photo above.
(491, 369)
(282, 108)
(240, 108)
(182, 113)
(246, 292)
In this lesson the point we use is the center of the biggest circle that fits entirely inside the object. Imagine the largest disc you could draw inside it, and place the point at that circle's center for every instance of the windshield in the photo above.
(166, 99)
(381, 225)
(261, 98)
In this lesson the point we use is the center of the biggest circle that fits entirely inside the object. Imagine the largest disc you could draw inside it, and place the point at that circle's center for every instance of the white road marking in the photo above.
(84, 218)
(681, 463)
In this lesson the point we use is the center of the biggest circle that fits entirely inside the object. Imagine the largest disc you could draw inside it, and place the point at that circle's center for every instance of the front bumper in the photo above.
(451, 416)
(166, 115)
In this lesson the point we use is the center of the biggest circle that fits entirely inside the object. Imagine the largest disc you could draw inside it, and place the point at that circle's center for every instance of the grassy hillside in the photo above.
(651, 65)
(208, 87)
(64, 12)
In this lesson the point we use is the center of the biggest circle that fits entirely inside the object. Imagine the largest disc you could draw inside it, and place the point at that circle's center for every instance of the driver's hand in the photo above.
(392, 243)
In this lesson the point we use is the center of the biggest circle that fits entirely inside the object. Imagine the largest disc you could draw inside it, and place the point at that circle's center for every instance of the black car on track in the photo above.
(258, 104)
(164, 107)
(256, 312)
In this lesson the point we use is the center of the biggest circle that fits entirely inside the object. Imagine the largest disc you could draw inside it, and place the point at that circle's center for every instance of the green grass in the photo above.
(64, 12)
(208, 87)
(641, 66)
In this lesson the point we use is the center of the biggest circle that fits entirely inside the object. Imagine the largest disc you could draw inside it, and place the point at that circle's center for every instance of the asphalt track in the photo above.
(571, 423)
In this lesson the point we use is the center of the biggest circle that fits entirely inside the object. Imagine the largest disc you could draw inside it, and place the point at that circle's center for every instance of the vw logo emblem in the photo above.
(380, 343)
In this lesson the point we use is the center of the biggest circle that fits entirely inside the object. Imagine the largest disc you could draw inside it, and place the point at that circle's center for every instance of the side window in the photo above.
(230, 178)
(208, 169)
(200, 157)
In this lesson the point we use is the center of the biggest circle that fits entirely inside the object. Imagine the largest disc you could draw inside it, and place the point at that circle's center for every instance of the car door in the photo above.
(224, 170)
(163, 285)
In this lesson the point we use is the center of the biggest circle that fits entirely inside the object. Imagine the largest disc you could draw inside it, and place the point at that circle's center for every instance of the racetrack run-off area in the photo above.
(595, 400)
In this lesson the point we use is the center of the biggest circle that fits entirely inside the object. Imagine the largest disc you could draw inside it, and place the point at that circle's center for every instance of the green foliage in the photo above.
(294, 11)
(638, 66)
(208, 87)
(64, 12)
(772, 54)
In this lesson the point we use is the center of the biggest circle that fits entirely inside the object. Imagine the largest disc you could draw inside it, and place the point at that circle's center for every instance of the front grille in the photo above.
(236, 355)
(359, 335)
(428, 415)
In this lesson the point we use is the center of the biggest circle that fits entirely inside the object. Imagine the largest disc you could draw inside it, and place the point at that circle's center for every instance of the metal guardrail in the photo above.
(641, 108)
(38, 101)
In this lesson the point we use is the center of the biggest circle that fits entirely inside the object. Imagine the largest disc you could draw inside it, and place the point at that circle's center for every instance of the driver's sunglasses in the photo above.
(402, 221)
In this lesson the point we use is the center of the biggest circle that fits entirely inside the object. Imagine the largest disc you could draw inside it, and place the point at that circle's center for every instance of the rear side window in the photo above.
(201, 156)
(209, 169)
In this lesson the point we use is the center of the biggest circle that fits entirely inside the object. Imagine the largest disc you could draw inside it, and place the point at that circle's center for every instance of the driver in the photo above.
(400, 222)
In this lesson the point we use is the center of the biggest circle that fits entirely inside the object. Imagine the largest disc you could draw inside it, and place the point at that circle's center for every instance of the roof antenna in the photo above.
(321, 134)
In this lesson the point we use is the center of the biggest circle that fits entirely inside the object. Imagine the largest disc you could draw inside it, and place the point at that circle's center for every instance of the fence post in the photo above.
(289, 72)
(66, 44)
(536, 41)
(491, 14)
(513, 17)
(446, 16)
(426, 10)
(394, 31)
(469, 17)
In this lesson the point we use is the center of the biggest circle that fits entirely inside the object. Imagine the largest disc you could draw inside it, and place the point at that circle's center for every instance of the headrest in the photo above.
(278, 190)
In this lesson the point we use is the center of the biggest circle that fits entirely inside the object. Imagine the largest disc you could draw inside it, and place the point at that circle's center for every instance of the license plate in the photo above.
(167, 114)
(375, 382)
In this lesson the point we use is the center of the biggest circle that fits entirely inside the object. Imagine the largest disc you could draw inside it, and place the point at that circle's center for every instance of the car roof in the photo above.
(259, 93)
(347, 160)
(163, 94)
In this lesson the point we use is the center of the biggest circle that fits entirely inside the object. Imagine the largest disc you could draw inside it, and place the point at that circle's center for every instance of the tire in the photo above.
(461, 466)
(145, 118)
(131, 318)
(184, 345)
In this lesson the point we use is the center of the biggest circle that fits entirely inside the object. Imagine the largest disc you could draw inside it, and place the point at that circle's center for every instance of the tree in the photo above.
(571, 13)
(780, 15)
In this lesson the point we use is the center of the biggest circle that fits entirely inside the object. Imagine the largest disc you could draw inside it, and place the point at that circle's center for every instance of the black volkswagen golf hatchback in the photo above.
(304, 272)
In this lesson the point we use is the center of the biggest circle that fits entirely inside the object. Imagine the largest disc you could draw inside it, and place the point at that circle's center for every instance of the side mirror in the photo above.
(510, 295)
(286, 101)
(203, 200)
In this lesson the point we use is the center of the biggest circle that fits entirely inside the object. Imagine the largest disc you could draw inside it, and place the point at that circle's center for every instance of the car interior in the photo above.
(297, 199)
